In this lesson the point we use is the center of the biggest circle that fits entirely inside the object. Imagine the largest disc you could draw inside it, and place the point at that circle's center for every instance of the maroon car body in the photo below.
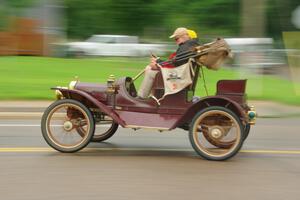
(222, 120)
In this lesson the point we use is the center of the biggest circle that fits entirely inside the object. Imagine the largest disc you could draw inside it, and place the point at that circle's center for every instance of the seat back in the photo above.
(233, 89)
(158, 85)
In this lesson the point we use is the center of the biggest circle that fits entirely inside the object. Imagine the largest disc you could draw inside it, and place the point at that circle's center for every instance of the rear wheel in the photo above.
(216, 133)
(104, 129)
(246, 131)
(226, 144)
(60, 123)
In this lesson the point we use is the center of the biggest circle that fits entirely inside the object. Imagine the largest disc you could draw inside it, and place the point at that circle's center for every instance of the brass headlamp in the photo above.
(252, 115)
(73, 83)
(111, 87)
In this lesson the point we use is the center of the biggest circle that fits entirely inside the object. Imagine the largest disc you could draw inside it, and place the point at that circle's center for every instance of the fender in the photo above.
(212, 101)
(70, 93)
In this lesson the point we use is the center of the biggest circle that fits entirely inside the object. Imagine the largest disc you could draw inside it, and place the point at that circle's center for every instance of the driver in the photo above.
(185, 39)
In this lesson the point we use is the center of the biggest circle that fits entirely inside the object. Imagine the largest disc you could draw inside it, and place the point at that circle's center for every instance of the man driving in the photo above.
(185, 39)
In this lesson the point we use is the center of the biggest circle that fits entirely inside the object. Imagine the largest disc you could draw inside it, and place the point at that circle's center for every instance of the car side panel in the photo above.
(212, 101)
(89, 101)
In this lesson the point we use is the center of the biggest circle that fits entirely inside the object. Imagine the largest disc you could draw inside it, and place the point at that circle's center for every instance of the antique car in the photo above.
(217, 125)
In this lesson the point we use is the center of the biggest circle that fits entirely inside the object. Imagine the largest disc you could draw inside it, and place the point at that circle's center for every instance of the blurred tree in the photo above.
(15, 7)
(279, 17)
(19, 3)
(3, 16)
(253, 18)
(158, 18)
(138, 17)
(216, 17)
(11, 8)
(119, 16)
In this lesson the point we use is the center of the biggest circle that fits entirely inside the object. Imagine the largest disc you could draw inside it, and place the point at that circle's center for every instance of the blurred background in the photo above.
(44, 43)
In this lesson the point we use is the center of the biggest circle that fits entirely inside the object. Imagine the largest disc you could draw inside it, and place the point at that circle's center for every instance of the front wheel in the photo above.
(60, 123)
(222, 127)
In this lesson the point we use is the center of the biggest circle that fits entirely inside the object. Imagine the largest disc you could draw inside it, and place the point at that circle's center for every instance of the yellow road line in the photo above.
(272, 151)
(46, 149)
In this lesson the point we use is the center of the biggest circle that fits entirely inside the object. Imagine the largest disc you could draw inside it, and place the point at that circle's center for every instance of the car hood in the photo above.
(90, 87)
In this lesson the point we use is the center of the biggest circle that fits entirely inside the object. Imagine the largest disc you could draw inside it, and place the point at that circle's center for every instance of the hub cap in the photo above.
(68, 126)
(216, 132)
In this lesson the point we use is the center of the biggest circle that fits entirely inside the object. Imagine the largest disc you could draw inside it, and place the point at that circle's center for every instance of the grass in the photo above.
(31, 77)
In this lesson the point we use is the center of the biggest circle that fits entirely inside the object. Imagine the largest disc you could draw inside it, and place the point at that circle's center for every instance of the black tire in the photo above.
(100, 137)
(246, 131)
(76, 114)
(204, 119)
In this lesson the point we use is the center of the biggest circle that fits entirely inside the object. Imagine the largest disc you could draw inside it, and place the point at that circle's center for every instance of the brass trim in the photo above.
(253, 120)
(60, 87)
(72, 85)
(58, 95)
(118, 108)
(111, 86)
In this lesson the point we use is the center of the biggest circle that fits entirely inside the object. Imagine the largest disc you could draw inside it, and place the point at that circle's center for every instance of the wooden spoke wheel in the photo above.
(216, 133)
(221, 144)
(104, 129)
(60, 123)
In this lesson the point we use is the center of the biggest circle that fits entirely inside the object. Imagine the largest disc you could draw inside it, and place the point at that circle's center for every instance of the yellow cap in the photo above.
(192, 34)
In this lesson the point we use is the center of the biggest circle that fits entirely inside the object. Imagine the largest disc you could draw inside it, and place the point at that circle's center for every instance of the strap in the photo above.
(204, 81)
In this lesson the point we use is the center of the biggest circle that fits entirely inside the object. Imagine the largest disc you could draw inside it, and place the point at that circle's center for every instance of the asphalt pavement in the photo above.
(150, 165)
(147, 164)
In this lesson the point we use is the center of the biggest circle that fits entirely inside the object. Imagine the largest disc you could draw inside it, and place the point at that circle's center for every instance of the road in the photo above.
(145, 164)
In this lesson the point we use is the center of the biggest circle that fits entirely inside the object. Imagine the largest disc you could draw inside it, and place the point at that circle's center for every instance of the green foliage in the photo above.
(159, 17)
(19, 3)
(278, 13)
(156, 19)
(3, 19)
